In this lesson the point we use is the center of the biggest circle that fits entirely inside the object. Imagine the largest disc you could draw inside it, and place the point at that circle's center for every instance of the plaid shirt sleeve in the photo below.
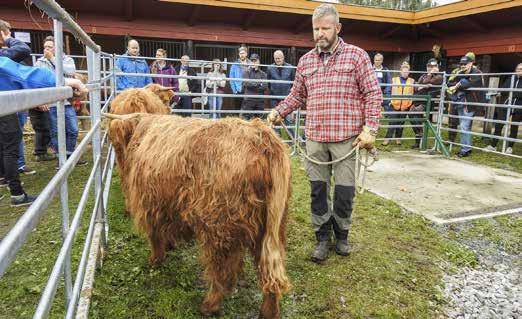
(297, 96)
(370, 91)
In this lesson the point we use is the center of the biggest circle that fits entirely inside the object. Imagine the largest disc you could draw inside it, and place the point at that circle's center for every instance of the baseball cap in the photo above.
(254, 56)
(432, 62)
(465, 60)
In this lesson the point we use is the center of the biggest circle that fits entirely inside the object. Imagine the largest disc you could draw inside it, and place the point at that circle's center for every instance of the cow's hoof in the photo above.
(156, 261)
(210, 310)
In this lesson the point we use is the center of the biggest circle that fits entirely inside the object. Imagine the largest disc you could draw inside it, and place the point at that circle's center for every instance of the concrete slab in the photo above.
(445, 190)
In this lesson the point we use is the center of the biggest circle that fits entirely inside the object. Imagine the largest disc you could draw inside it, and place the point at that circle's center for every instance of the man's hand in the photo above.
(366, 139)
(5, 35)
(77, 86)
(48, 54)
(43, 108)
(274, 118)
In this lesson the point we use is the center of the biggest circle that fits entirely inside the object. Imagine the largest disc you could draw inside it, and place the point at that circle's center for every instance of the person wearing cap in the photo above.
(236, 71)
(254, 88)
(468, 77)
(337, 84)
(453, 122)
(501, 112)
(428, 83)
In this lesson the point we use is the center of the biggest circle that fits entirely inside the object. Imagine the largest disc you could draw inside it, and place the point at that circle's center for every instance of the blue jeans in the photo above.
(465, 125)
(71, 129)
(22, 118)
(219, 103)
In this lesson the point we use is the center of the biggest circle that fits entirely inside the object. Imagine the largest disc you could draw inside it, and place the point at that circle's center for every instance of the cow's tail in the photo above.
(272, 259)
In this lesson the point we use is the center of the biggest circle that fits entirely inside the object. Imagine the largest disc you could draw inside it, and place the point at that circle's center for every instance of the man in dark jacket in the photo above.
(428, 81)
(187, 85)
(282, 71)
(10, 130)
(470, 77)
(501, 112)
(254, 88)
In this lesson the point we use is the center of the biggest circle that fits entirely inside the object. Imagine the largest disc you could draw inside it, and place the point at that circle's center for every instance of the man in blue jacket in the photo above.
(14, 76)
(237, 71)
(130, 63)
(385, 79)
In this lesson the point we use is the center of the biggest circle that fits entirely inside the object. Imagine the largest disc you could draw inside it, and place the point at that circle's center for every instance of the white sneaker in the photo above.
(509, 150)
(490, 148)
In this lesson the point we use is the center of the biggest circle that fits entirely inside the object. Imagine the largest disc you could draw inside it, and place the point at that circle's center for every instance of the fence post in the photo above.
(425, 131)
(93, 62)
(508, 113)
(62, 153)
(440, 115)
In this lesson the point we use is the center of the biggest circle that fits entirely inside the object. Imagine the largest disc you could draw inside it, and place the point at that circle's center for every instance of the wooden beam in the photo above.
(194, 15)
(428, 28)
(474, 24)
(302, 25)
(249, 18)
(390, 32)
(129, 10)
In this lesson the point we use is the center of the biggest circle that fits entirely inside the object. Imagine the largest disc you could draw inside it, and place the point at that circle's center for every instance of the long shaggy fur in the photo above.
(225, 183)
(165, 94)
(138, 101)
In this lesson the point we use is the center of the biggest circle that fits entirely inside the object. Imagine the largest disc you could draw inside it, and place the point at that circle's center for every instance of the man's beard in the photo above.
(326, 43)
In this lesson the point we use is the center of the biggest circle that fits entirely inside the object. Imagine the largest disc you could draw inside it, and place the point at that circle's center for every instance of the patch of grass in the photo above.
(504, 231)
(393, 272)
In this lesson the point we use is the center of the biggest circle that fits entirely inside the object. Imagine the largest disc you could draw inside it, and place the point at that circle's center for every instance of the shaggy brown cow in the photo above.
(138, 101)
(164, 93)
(225, 183)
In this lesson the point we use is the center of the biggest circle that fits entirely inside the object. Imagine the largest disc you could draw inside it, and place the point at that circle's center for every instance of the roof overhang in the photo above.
(306, 7)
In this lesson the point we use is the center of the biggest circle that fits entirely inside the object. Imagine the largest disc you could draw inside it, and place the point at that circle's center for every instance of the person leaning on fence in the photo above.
(130, 62)
(236, 71)
(14, 76)
(428, 86)
(470, 77)
(402, 85)
(337, 84)
(48, 61)
(385, 79)
(516, 113)
(453, 120)
(281, 71)
(17, 51)
(164, 67)
(187, 85)
(218, 86)
(254, 88)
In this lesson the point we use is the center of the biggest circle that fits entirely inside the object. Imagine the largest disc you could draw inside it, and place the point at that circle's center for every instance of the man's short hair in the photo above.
(242, 48)
(49, 38)
(324, 10)
(378, 55)
(5, 26)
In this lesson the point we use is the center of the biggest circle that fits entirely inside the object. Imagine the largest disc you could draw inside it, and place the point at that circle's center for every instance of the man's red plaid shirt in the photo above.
(340, 96)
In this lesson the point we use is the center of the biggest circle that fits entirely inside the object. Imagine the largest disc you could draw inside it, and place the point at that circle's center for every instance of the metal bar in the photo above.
(438, 140)
(482, 149)
(486, 104)
(508, 113)
(482, 119)
(13, 241)
(53, 10)
(441, 105)
(93, 63)
(22, 100)
(483, 135)
(44, 305)
(426, 120)
(62, 154)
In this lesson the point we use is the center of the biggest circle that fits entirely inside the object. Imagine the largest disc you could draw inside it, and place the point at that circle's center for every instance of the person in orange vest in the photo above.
(402, 85)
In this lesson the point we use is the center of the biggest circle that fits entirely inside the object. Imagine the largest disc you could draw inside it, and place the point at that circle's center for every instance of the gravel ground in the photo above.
(493, 289)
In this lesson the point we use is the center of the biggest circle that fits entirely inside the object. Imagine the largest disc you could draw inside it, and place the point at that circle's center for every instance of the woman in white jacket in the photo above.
(216, 85)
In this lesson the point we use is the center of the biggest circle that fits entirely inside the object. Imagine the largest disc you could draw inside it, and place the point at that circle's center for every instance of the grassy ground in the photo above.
(394, 271)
